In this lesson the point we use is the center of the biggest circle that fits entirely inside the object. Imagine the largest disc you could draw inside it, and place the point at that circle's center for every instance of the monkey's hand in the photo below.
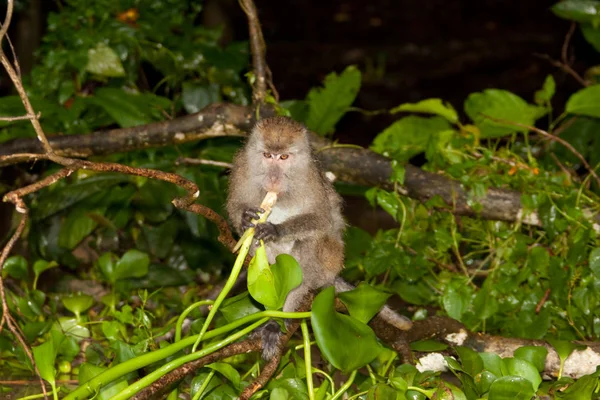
(249, 215)
(265, 231)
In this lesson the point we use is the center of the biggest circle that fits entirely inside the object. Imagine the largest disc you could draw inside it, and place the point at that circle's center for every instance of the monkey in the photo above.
(306, 221)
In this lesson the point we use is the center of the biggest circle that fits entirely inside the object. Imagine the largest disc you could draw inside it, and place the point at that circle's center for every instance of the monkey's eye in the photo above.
(284, 156)
(267, 155)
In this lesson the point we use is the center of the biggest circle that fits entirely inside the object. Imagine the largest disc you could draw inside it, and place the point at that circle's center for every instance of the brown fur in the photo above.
(307, 217)
(307, 214)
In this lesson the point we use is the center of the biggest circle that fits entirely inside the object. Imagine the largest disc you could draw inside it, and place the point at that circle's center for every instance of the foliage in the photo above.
(111, 263)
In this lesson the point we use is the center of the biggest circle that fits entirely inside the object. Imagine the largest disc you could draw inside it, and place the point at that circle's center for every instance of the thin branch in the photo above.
(7, 319)
(21, 118)
(553, 138)
(200, 161)
(565, 47)
(258, 49)
(7, 19)
(16, 80)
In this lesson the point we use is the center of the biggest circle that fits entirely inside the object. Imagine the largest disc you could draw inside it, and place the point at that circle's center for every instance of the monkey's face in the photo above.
(277, 167)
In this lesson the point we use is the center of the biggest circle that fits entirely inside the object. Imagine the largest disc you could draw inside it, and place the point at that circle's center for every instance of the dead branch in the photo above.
(352, 165)
(579, 363)
(216, 120)
(258, 50)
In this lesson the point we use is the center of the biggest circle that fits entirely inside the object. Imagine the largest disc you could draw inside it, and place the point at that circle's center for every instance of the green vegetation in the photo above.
(111, 264)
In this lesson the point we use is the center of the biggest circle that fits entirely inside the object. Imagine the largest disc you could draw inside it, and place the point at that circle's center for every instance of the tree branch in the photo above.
(351, 165)
(258, 50)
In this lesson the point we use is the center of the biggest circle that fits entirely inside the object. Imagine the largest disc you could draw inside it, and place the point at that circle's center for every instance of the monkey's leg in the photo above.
(386, 313)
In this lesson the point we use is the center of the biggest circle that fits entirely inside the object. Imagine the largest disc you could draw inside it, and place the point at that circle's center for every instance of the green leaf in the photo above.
(76, 227)
(472, 364)
(346, 342)
(227, 371)
(88, 371)
(106, 264)
(430, 106)
(524, 369)
(582, 389)
(503, 105)
(357, 242)
(103, 61)
(456, 299)
(78, 303)
(539, 260)
(484, 380)
(545, 94)
(261, 282)
(238, 307)
(511, 388)
(44, 356)
(296, 388)
(327, 105)
(564, 348)
(485, 304)
(585, 102)
(408, 136)
(381, 391)
(133, 264)
(578, 10)
(594, 262)
(591, 33)
(364, 302)
(40, 266)
(492, 362)
(72, 328)
(536, 355)
(129, 109)
(16, 267)
(196, 96)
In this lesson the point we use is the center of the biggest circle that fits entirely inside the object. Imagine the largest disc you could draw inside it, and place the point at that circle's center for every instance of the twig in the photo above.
(566, 42)
(562, 167)
(21, 118)
(200, 161)
(543, 300)
(551, 137)
(258, 49)
(564, 64)
(7, 319)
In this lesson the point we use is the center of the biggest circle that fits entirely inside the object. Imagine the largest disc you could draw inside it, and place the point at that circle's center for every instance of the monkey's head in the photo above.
(279, 150)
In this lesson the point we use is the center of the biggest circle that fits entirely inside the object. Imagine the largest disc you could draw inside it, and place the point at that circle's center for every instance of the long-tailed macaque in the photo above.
(306, 222)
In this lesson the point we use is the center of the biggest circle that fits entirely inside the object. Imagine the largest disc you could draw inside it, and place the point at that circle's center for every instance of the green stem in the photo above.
(346, 386)
(237, 267)
(185, 314)
(104, 378)
(168, 367)
(307, 360)
(204, 385)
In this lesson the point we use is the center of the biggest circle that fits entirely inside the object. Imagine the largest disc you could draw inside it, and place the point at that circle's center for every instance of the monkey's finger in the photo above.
(247, 224)
(251, 214)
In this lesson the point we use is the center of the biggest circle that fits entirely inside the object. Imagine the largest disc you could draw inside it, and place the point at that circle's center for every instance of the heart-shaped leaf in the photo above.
(270, 285)
(346, 342)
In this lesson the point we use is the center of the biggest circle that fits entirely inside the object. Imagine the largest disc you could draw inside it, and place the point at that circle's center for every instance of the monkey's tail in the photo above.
(387, 314)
